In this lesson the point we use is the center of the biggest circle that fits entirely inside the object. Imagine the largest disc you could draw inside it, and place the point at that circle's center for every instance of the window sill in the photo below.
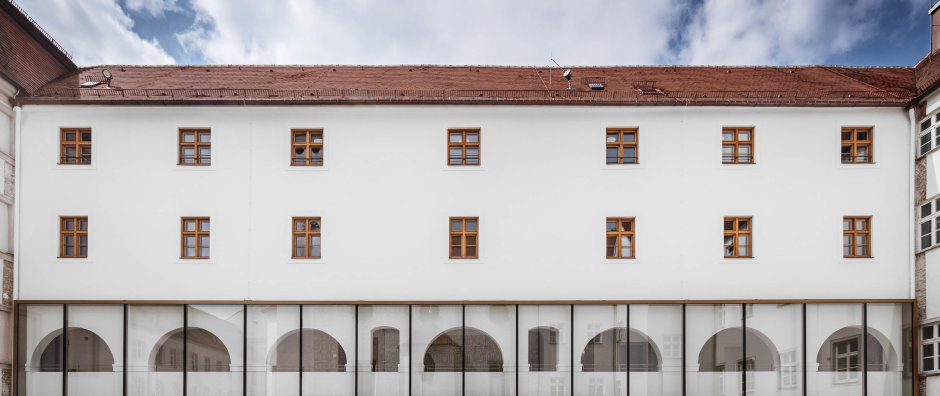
(740, 260)
(91, 166)
(623, 167)
(306, 261)
(463, 168)
(621, 261)
(752, 165)
(307, 168)
(929, 374)
(872, 165)
(463, 261)
(73, 260)
(194, 261)
(194, 167)
(860, 260)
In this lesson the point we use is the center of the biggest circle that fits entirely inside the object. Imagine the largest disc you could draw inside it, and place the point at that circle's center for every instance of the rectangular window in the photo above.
(463, 147)
(195, 240)
(856, 236)
(620, 238)
(306, 237)
(195, 146)
(930, 344)
(845, 353)
(73, 237)
(789, 369)
(738, 237)
(75, 146)
(623, 145)
(929, 225)
(737, 145)
(463, 237)
(857, 145)
(306, 147)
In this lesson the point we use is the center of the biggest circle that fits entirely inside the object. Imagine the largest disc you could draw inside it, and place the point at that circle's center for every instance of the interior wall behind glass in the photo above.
(490, 350)
(214, 349)
(383, 359)
(889, 362)
(40, 350)
(155, 350)
(714, 353)
(544, 350)
(600, 340)
(774, 349)
(95, 358)
(834, 349)
(328, 350)
(655, 350)
(273, 350)
(437, 350)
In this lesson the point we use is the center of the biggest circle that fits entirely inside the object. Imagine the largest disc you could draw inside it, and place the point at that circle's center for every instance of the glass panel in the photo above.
(861, 224)
(655, 350)
(729, 225)
(95, 350)
(70, 154)
(727, 153)
(744, 225)
(189, 137)
(40, 350)
(545, 343)
(69, 225)
(273, 350)
(471, 225)
(834, 349)
(329, 338)
(86, 136)
(928, 332)
(861, 135)
(204, 225)
(316, 138)
(471, 251)
(155, 350)
(629, 137)
(613, 137)
(214, 345)
(626, 225)
(613, 155)
(300, 246)
(611, 226)
(846, 135)
(70, 136)
(204, 137)
(437, 348)
(744, 135)
(490, 349)
(383, 350)
(300, 225)
(300, 155)
(83, 225)
(846, 245)
(714, 353)
(456, 225)
(889, 357)
(629, 155)
(925, 210)
(204, 155)
(727, 135)
(744, 153)
(189, 155)
(729, 245)
(473, 137)
(300, 137)
(456, 137)
(189, 225)
(626, 246)
(775, 330)
(473, 155)
(847, 225)
(600, 338)
(190, 241)
(315, 246)
(471, 239)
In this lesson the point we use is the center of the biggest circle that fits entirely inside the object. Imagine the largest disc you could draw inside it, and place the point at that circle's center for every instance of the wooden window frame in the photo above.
(620, 144)
(463, 234)
(854, 143)
(197, 233)
(463, 145)
(79, 144)
(76, 232)
(853, 233)
(307, 145)
(734, 232)
(196, 145)
(617, 234)
(735, 145)
(306, 233)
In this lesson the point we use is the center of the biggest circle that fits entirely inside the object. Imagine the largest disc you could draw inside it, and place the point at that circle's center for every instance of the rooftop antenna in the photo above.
(107, 76)
(566, 74)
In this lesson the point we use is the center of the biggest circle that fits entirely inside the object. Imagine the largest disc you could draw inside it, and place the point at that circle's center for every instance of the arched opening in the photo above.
(321, 353)
(841, 353)
(87, 352)
(722, 352)
(608, 351)
(543, 349)
(206, 352)
(445, 353)
(385, 350)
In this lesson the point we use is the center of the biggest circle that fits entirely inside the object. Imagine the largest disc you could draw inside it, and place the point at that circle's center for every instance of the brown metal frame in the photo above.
(307, 145)
(619, 232)
(306, 233)
(734, 143)
(735, 232)
(852, 232)
(620, 144)
(463, 144)
(854, 143)
(195, 144)
(463, 234)
(75, 233)
(197, 233)
(79, 144)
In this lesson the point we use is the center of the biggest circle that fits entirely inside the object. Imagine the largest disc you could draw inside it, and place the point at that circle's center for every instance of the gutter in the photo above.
(17, 187)
(912, 155)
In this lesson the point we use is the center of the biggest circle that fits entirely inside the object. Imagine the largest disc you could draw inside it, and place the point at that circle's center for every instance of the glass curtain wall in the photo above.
(774, 349)
(544, 350)
(437, 347)
(215, 349)
(383, 358)
(40, 350)
(273, 355)
(889, 364)
(328, 350)
(835, 348)
(655, 350)
(155, 350)
(95, 350)
(715, 350)
(490, 350)
(600, 347)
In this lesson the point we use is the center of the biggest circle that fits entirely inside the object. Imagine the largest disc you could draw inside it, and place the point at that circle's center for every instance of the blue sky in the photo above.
(502, 32)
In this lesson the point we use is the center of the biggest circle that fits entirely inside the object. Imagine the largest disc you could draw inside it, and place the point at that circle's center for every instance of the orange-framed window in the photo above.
(620, 242)
(623, 145)
(73, 236)
(856, 236)
(737, 145)
(857, 145)
(463, 146)
(306, 237)
(195, 238)
(306, 147)
(75, 146)
(195, 146)
(738, 242)
(464, 233)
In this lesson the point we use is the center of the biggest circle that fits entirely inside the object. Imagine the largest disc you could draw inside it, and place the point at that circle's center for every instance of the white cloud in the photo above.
(155, 8)
(521, 32)
(778, 31)
(95, 32)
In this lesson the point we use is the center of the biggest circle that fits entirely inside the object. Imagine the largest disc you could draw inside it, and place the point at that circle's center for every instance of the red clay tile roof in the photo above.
(623, 85)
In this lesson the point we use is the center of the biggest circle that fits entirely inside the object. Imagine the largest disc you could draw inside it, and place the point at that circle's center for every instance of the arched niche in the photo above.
(608, 351)
(206, 352)
(87, 352)
(321, 353)
(445, 354)
(722, 352)
(841, 352)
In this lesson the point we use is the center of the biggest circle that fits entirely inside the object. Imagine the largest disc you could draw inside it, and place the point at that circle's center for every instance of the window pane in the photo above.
(205, 151)
(83, 225)
(889, 358)
(727, 153)
(203, 225)
(204, 241)
(861, 250)
(383, 350)
(613, 155)
(714, 337)
(600, 337)
(155, 350)
(95, 349)
(273, 350)
(189, 137)
(834, 334)
(471, 251)
(437, 350)
(190, 251)
(204, 137)
(626, 225)
(456, 137)
(455, 251)
(315, 242)
(300, 225)
(629, 155)
(744, 135)
(775, 329)
(744, 225)
(86, 136)
(727, 135)
(861, 224)
(300, 246)
(189, 154)
(70, 136)
(314, 225)
(473, 137)
(655, 328)
(490, 335)
(744, 153)
(545, 344)
(215, 347)
(729, 245)
(729, 225)
(471, 225)
(300, 137)
(189, 225)
(861, 135)
(40, 350)
(629, 137)
(928, 332)
(328, 347)
(847, 135)
(316, 138)
(456, 152)
(928, 361)
(613, 137)
(925, 210)
(611, 226)
(456, 225)
(471, 239)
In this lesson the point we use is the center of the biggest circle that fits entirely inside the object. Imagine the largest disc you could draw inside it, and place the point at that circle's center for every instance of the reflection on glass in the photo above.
(95, 350)
(214, 349)
(545, 341)
(774, 331)
(600, 339)
(715, 352)
(273, 350)
(889, 364)
(40, 350)
(154, 359)
(383, 350)
(490, 349)
(835, 348)
(329, 334)
(437, 350)
(655, 350)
